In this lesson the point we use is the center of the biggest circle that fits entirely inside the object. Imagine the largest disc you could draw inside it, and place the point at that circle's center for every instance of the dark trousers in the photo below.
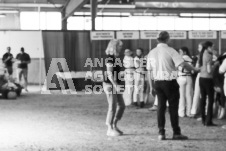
(168, 90)
(9, 69)
(206, 89)
(116, 105)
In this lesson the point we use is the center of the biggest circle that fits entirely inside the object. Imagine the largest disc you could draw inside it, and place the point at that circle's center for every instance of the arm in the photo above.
(179, 62)
(28, 60)
(5, 59)
(211, 67)
(111, 77)
(136, 62)
(222, 68)
(150, 63)
(188, 67)
(210, 64)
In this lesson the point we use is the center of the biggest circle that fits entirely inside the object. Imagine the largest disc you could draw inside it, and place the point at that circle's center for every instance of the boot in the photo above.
(135, 104)
(141, 104)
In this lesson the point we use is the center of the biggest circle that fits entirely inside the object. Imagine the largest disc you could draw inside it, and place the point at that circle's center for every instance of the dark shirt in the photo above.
(110, 59)
(9, 62)
(23, 57)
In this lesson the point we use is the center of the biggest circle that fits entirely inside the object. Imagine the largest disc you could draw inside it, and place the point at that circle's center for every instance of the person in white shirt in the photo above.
(162, 63)
(186, 85)
(128, 63)
(139, 78)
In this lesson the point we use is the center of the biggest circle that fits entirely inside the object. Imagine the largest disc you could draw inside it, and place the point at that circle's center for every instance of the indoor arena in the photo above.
(112, 75)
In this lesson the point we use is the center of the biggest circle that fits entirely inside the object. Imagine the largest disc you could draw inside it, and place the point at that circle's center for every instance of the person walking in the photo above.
(162, 64)
(7, 59)
(24, 59)
(112, 87)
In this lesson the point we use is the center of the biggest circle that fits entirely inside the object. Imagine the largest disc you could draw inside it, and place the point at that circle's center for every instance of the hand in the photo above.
(119, 88)
(197, 70)
(153, 92)
(216, 63)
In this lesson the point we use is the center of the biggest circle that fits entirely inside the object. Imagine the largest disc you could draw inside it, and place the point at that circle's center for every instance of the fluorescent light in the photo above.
(186, 14)
(204, 15)
(78, 13)
(166, 14)
(201, 15)
(125, 14)
(87, 13)
(111, 14)
(217, 15)
(9, 11)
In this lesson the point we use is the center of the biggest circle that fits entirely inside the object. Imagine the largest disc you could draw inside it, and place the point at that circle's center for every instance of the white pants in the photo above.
(196, 98)
(138, 87)
(129, 88)
(186, 94)
(225, 86)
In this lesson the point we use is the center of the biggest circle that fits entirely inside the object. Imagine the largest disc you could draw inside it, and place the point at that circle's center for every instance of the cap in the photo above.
(127, 51)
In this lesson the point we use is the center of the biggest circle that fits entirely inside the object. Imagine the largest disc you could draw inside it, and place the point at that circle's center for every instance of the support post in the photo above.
(93, 12)
(64, 21)
(220, 51)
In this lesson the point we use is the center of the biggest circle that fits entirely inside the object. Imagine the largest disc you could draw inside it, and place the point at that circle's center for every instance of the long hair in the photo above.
(186, 50)
(142, 52)
(113, 46)
(204, 47)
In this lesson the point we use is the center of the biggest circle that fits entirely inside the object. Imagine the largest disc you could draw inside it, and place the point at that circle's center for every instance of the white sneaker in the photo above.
(199, 119)
(113, 133)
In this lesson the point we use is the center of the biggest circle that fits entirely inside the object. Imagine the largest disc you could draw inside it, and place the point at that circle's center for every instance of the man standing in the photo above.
(162, 62)
(24, 59)
(128, 63)
(7, 60)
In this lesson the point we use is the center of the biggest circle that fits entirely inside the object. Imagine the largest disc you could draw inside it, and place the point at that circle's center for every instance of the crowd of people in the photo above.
(22, 60)
(187, 85)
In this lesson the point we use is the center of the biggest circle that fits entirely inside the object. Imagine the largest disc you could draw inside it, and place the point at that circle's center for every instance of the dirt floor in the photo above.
(36, 122)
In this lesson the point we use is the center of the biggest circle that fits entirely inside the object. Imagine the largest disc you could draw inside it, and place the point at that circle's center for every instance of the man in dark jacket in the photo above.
(7, 60)
(24, 59)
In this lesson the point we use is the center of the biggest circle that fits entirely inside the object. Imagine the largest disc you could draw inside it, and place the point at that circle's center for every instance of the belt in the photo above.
(184, 75)
(140, 72)
(131, 68)
(164, 80)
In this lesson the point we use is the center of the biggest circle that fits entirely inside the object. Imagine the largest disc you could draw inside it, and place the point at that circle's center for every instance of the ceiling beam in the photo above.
(47, 5)
(159, 10)
(32, 2)
(72, 6)
(181, 1)
(33, 9)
